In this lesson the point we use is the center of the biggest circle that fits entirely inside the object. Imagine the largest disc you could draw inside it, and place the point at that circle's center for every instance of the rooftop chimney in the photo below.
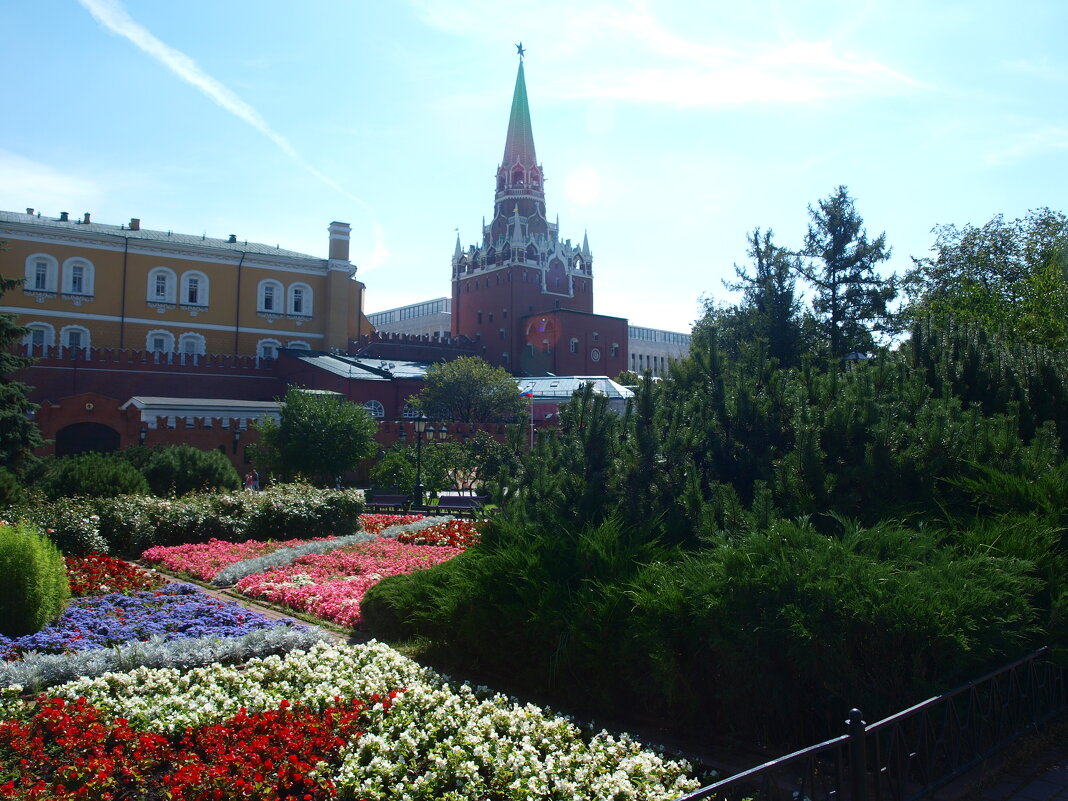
(339, 240)
(86, 220)
(233, 239)
(135, 223)
(29, 211)
(63, 217)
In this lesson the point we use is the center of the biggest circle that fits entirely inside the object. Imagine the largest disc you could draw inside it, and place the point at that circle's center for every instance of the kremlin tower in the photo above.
(524, 294)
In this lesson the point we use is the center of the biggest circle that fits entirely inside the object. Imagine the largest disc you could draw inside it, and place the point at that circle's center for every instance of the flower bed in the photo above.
(176, 611)
(204, 560)
(331, 585)
(97, 574)
(454, 533)
(377, 523)
(72, 751)
(421, 738)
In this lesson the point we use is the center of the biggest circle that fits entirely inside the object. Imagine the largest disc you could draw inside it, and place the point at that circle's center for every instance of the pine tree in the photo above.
(850, 299)
(769, 304)
(19, 435)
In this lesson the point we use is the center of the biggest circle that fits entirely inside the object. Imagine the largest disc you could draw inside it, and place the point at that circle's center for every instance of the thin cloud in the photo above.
(1030, 144)
(112, 15)
(24, 181)
(663, 67)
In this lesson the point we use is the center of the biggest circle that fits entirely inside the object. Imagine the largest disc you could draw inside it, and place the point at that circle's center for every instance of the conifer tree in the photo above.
(850, 299)
(18, 433)
(770, 308)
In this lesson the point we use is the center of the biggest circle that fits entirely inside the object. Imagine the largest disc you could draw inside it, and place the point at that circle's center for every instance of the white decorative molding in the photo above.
(39, 295)
(270, 317)
(193, 308)
(76, 297)
(161, 306)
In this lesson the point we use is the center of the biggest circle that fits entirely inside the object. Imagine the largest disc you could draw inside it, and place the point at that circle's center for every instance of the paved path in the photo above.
(1042, 778)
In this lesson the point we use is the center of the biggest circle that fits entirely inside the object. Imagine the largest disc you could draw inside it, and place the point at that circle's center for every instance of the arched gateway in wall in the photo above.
(83, 437)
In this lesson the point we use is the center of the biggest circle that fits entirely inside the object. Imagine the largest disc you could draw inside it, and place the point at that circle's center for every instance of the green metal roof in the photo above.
(519, 146)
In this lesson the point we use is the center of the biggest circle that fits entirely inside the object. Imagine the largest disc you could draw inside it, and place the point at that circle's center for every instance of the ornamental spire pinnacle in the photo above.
(519, 145)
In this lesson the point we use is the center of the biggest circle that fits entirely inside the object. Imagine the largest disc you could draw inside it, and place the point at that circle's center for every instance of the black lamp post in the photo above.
(237, 439)
(420, 428)
(142, 435)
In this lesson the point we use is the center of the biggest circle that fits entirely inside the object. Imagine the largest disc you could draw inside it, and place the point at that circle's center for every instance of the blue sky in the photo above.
(667, 130)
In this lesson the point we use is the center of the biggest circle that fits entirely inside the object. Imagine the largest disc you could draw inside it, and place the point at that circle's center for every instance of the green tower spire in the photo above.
(519, 146)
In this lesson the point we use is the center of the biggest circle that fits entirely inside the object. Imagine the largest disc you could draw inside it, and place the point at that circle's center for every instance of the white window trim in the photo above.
(298, 345)
(202, 288)
(88, 276)
(279, 297)
(171, 294)
(306, 300)
(157, 332)
(274, 343)
(51, 275)
(86, 336)
(191, 336)
(377, 410)
(49, 334)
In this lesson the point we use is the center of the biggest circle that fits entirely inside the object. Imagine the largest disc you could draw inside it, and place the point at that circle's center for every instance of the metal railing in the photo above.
(911, 753)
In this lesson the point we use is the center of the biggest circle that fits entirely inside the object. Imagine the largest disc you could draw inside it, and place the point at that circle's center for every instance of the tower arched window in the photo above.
(162, 285)
(269, 296)
(517, 176)
(376, 409)
(42, 273)
(573, 345)
(300, 300)
(298, 345)
(194, 288)
(410, 411)
(78, 274)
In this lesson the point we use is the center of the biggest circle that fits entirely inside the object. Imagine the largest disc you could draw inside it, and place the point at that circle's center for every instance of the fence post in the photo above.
(858, 761)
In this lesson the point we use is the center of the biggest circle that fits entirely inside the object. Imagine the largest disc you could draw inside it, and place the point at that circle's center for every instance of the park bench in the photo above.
(457, 504)
(381, 502)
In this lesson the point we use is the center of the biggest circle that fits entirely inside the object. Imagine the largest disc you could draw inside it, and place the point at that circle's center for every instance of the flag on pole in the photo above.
(527, 393)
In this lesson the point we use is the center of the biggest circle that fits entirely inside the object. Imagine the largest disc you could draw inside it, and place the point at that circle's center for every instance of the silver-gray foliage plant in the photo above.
(36, 671)
(231, 574)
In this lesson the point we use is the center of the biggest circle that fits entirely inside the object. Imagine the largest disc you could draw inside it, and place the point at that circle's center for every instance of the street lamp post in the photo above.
(420, 428)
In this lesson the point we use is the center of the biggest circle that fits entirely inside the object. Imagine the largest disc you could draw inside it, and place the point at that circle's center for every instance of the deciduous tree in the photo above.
(469, 390)
(320, 435)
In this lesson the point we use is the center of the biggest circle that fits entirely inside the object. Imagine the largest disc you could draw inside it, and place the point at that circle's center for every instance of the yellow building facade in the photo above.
(97, 285)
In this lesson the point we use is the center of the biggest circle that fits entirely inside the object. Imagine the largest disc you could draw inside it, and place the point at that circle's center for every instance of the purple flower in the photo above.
(174, 612)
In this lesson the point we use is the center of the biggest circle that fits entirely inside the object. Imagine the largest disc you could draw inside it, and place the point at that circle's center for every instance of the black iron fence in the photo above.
(909, 754)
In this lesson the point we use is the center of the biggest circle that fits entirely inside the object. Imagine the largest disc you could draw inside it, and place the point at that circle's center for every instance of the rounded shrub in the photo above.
(33, 580)
(92, 475)
(180, 469)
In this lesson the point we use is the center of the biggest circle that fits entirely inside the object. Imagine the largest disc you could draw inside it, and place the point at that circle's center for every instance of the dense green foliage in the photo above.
(19, 435)
(320, 435)
(128, 524)
(1009, 276)
(469, 390)
(178, 469)
(91, 475)
(163, 470)
(10, 490)
(33, 580)
(759, 549)
(474, 464)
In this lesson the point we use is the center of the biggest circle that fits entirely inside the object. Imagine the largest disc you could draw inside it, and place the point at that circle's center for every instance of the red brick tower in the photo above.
(523, 293)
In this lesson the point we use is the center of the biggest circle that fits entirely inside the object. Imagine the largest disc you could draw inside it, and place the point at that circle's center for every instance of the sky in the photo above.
(667, 130)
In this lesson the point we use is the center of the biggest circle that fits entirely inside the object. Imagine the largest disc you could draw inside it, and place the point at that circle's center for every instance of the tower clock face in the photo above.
(595, 354)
